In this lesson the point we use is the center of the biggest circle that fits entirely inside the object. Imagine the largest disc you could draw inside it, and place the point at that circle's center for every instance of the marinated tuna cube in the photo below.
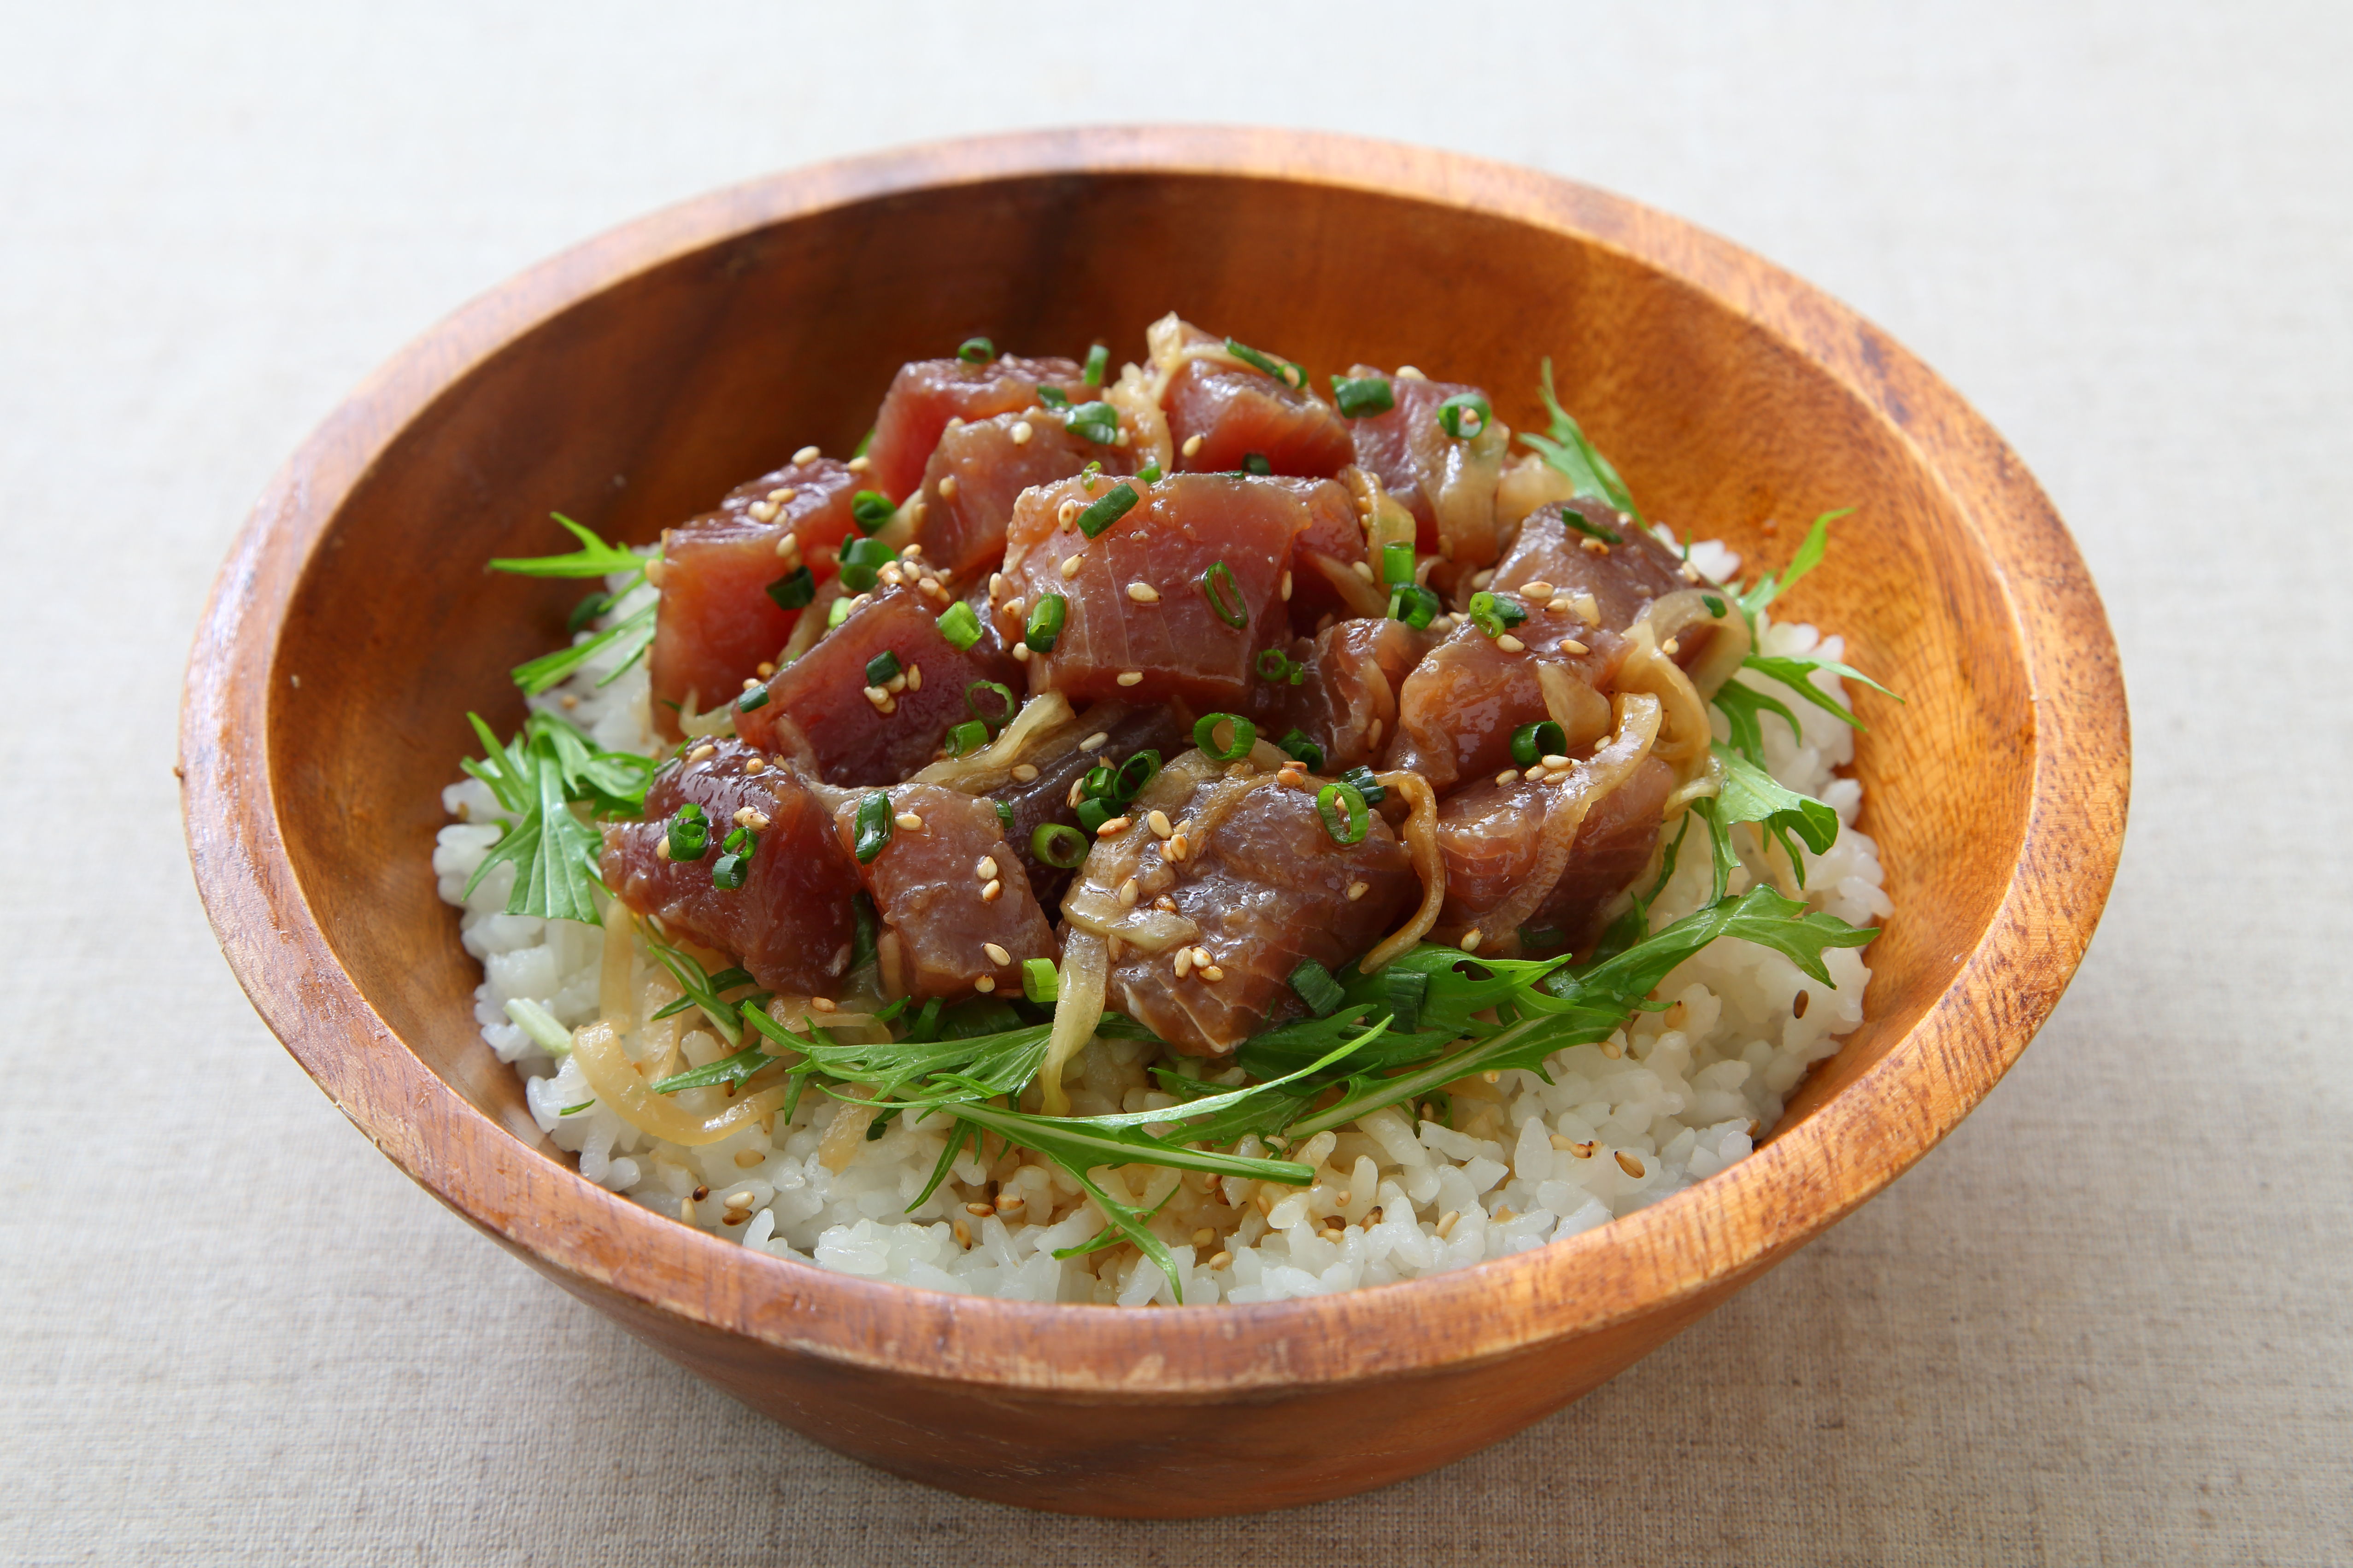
(1346, 702)
(925, 395)
(1448, 482)
(789, 922)
(1222, 411)
(956, 904)
(1492, 836)
(1045, 798)
(728, 576)
(1138, 620)
(979, 470)
(1262, 886)
(854, 718)
(1458, 708)
(1621, 564)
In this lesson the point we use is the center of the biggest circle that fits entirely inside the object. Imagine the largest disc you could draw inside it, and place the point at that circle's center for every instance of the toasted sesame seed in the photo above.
(1612, 1049)
(947, 487)
(1511, 644)
(1554, 763)
(661, 847)
(1184, 962)
(702, 751)
(1357, 890)
(1020, 432)
(1363, 569)
(1116, 825)
(1671, 646)
(1200, 955)
(686, 1208)
(1179, 846)
(1131, 677)
(881, 699)
(860, 464)
(747, 1158)
(766, 668)
(955, 421)
(1069, 566)
(980, 1210)
(963, 1233)
(996, 955)
(1014, 606)
(763, 510)
(1373, 735)
(821, 1004)
(1630, 1165)
(1021, 653)
(1485, 579)
(1687, 572)
(806, 456)
(1164, 903)
(1143, 592)
(1024, 773)
(1068, 512)
(996, 585)
(1192, 445)
(910, 821)
(1286, 587)
(992, 891)
(756, 764)
(1158, 822)
(1224, 1259)
(1129, 892)
(1594, 545)
(1559, 604)
(1407, 372)
(1798, 1007)
(1570, 645)
(984, 867)
(1471, 938)
(1203, 1236)
(1539, 589)
(752, 819)
(1078, 793)
(896, 684)
(1507, 778)
(1446, 1222)
(1010, 1202)
(891, 575)
(1094, 742)
(1534, 775)
(1212, 974)
(985, 984)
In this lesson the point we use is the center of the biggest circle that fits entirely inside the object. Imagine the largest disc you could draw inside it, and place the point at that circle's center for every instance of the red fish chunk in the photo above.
(979, 470)
(928, 888)
(1235, 412)
(1491, 836)
(927, 394)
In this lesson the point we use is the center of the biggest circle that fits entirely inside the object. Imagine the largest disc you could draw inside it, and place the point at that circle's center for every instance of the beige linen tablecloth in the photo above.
(2106, 1322)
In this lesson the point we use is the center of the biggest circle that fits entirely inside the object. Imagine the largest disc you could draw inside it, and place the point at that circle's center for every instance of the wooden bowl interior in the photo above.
(641, 405)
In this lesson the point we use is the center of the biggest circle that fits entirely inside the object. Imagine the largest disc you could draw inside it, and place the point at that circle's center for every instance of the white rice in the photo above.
(1667, 1102)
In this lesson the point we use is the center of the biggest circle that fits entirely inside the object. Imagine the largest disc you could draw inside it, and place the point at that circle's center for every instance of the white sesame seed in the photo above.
(1158, 822)
(1120, 439)
(1131, 678)
(1129, 892)
(1539, 589)
(700, 753)
(766, 668)
(1595, 545)
(880, 697)
(985, 984)
(860, 463)
(1192, 445)
(806, 456)
(891, 575)
(1507, 778)
(1407, 372)
(756, 764)
(686, 1210)
(915, 677)
(1078, 793)
(763, 510)
(984, 868)
(1511, 644)
(1470, 939)
(788, 547)
(1446, 1222)
(1116, 825)
(782, 494)
(896, 684)
(1536, 775)
(1363, 569)
(1069, 566)
(1179, 847)
(1630, 1165)
(1021, 432)
(948, 487)
(1556, 761)
(996, 585)
(1357, 890)
(661, 847)
(1485, 579)
(1224, 1259)
(1015, 605)
(1286, 587)
(1021, 653)
(1212, 974)
(1559, 604)
(751, 817)
(822, 1003)
(955, 421)
(990, 894)
(1143, 592)
(1068, 512)
(1023, 773)
(1671, 646)
(1570, 645)
(1184, 964)
(1200, 955)
(910, 821)
(996, 954)
(1094, 742)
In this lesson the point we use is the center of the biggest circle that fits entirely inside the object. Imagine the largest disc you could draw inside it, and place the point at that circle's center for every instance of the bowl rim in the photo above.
(1731, 1226)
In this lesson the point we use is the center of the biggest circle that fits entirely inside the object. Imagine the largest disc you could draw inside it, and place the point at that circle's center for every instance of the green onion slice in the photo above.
(1133, 773)
(1045, 622)
(837, 613)
(1059, 845)
(733, 866)
(1317, 988)
(861, 559)
(587, 610)
(871, 509)
(881, 668)
(690, 833)
(793, 589)
(1343, 811)
(1306, 751)
(1255, 466)
(1225, 598)
(1714, 605)
(1096, 783)
(1497, 614)
(1054, 397)
(1113, 506)
(1097, 421)
(1397, 563)
(1570, 518)
(1531, 743)
(1042, 982)
(1277, 667)
(1360, 779)
(1004, 817)
(1149, 474)
(1451, 414)
(959, 625)
(1360, 396)
(1093, 811)
(1004, 703)
(1414, 605)
(1242, 737)
(975, 350)
(967, 738)
(1282, 370)
(873, 826)
(1098, 362)
(755, 698)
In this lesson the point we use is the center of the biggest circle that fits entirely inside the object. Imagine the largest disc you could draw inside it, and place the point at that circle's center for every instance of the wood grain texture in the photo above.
(631, 381)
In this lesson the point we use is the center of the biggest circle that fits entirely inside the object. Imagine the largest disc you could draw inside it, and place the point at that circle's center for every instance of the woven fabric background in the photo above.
(2107, 1322)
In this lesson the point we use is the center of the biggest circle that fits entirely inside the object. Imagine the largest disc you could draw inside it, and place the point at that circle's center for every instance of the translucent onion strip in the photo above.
(1421, 836)
(1679, 612)
(1137, 398)
(619, 1086)
(1042, 721)
(1684, 736)
(1565, 813)
(1086, 979)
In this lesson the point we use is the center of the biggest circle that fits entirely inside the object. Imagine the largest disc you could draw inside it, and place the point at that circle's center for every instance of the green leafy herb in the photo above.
(695, 983)
(629, 637)
(538, 777)
(1587, 471)
(595, 558)
(575, 1109)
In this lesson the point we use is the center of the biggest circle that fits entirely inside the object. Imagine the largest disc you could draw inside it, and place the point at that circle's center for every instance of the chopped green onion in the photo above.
(1343, 811)
(1570, 518)
(1397, 563)
(1255, 466)
(1094, 466)
(1045, 622)
(1150, 472)
(793, 589)
(1005, 705)
(1093, 811)
(690, 833)
(1306, 751)
(861, 560)
(1059, 845)
(587, 610)
(1133, 773)
(1225, 598)
(757, 697)
(881, 668)
(1097, 421)
(1244, 735)
(1283, 371)
(1098, 362)
(1414, 605)
(967, 738)
(1362, 395)
(1531, 743)
(1040, 982)
(1714, 605)
(1096, 782)
(837, 613)
(1277, 667)
(1408, 990)
(1360, 779)
(1497, 614)
(872, 831)
(1317, 988)
(1114, 505)
(871, 509)
(975, 350)
(959, 625)
(878, 1128)
(1054, 397)
(1451, 413)
(1004, 817)
(733, 866)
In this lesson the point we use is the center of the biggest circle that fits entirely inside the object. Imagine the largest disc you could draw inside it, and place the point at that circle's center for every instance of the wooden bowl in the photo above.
(631, 381)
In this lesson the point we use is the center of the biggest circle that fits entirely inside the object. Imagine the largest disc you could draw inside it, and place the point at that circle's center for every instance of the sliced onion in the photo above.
(1421, 836)
(1137, 395)
(1363, 599)
(1679, 612)
(812, 625)
(1042, 721)
(1684, 736)
(616, 971)
(622, 1090)
(1637, 733)
(1078, 1008)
